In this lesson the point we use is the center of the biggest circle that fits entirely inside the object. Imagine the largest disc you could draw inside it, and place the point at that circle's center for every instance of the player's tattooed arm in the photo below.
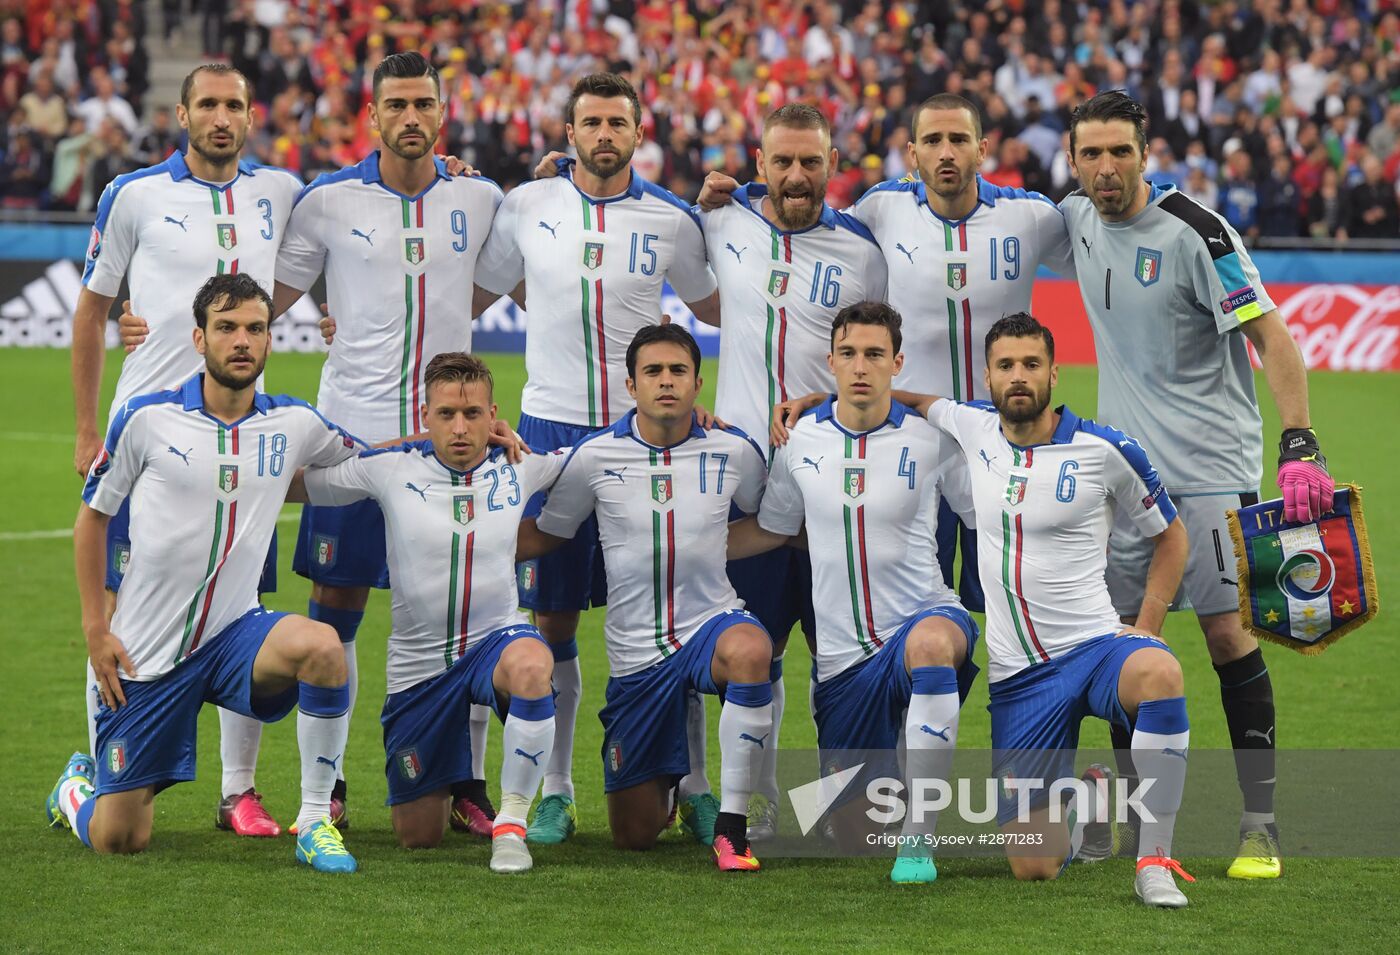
(108, 655)
(89, 350)
(747, 538)
(531, 542)
(1163, 578)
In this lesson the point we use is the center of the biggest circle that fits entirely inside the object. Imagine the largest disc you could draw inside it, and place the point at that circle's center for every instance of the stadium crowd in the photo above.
(1282, 114)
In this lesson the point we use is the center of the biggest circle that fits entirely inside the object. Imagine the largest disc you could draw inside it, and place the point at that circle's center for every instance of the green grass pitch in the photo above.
(201, 890)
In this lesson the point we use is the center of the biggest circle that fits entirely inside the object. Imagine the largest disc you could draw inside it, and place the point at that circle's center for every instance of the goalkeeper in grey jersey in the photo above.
(1169, 288)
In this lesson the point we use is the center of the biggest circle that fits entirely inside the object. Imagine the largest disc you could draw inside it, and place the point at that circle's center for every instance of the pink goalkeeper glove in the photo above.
(1302, 477)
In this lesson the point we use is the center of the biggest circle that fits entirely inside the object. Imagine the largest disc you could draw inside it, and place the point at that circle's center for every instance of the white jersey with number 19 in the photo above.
(1043, 517)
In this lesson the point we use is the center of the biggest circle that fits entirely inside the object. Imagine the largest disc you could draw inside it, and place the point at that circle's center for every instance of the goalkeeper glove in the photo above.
(1302, 476)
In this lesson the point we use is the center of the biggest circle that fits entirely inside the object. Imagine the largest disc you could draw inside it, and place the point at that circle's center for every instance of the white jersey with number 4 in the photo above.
(167, 232)
(399, 275)
(205, 497)
(870, 504)
(593, 270)
(779, 292)
(1043, 517)
(663, 516)
(451, 538)
(951, 280)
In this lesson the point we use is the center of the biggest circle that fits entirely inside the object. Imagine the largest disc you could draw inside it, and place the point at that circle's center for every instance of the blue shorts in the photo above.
(1036, 713)
(862, 707)
(151, 740)
(953, 534)
(343, 546)
(119, 553)
(776, 587)
(644, 716)
(427, 743)
(572, 577)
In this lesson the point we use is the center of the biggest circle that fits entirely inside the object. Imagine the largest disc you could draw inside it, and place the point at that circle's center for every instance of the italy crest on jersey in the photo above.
(228, 235)
(116, 756)
(1148, 268)
(593, 255)
(778, 283)
(661, 488)
(325, 550)
(463, 508)
(957, 276)
(1015, 488)
(228, 478)
(854, 482)
(415, 250)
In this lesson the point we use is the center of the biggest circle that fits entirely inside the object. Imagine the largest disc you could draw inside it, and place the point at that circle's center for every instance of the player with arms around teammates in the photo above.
(452, 506)
(1173, 298)
(894, 646)
(165, 229)
(206, 467)
(674, 624)
(593, 245)
(398, 239)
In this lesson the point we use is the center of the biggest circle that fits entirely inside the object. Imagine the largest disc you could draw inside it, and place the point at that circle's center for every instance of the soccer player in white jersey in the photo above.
(398, 239)
(594, 245)
(166, 229)
(674, 624)
(961, 254)
(206, 467)
(865, 478)
(452, 506)
(786, 263)
(1169, 288)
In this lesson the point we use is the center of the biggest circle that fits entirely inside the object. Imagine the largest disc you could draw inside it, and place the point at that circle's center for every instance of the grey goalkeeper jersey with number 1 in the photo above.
(1167, 292)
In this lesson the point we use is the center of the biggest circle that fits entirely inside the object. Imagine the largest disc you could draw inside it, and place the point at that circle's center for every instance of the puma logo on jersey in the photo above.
(985, 460)
(182, 455)
(1174, 752)
(755, 739)
(179, 222)
(550, 228)
(617, 474)
(1227, 580)
(809, 463)
(417, 490)
(1085, 242)
(365, 236)
(534, 759)
(329, 762)
(1217, 239)
(1266, 736)
(941, 734)
(908, 253)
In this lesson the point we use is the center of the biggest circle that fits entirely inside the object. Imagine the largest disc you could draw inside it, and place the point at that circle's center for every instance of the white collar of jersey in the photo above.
(625, 428)
(1064, 431)
(826, 411)
(192, 397)
(179, 169)
(635, 190)
(369, 170)
(426, 446)
(986, 195)
(746, 194)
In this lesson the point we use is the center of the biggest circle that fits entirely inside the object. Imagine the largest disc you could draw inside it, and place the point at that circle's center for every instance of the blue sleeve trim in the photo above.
(104, 211)
(889, 185)
(133, 405)
(853, 224)
(288, 401)
(981, 404)
(666, 195)
(740, 433)
(330, 178)
(1137, 459)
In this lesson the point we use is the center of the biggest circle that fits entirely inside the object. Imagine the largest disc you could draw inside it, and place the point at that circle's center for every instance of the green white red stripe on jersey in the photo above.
(857, 561)
(775, 334)
(415, 308)
(595, 355)
(459, 587)
(223, 206)
(959, 318)
(1012, 559)
(225, 526)
(663, 557)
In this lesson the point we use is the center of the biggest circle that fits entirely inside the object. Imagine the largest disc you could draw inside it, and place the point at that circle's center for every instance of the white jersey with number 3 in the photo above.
(451, 539)
(1043, 517)
(663, 516)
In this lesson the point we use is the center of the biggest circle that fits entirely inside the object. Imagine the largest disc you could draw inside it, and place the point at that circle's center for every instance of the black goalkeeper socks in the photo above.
(1247, 695)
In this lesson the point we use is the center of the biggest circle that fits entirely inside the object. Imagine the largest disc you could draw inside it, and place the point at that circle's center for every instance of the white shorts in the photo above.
(1208, 585)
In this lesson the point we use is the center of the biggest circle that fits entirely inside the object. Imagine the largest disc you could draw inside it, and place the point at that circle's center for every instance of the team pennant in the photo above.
(1304, 585)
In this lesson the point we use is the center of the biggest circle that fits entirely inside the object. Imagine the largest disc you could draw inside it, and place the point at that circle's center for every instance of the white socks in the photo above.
(478, 723)
(568, 682)
(697, 781)
(239, 737)
(745, 738)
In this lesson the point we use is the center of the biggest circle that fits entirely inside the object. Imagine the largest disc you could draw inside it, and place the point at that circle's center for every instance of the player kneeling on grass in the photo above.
(207, 467)
(894, 646)
(662, 486)
(1043, 482)
(452, 507)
